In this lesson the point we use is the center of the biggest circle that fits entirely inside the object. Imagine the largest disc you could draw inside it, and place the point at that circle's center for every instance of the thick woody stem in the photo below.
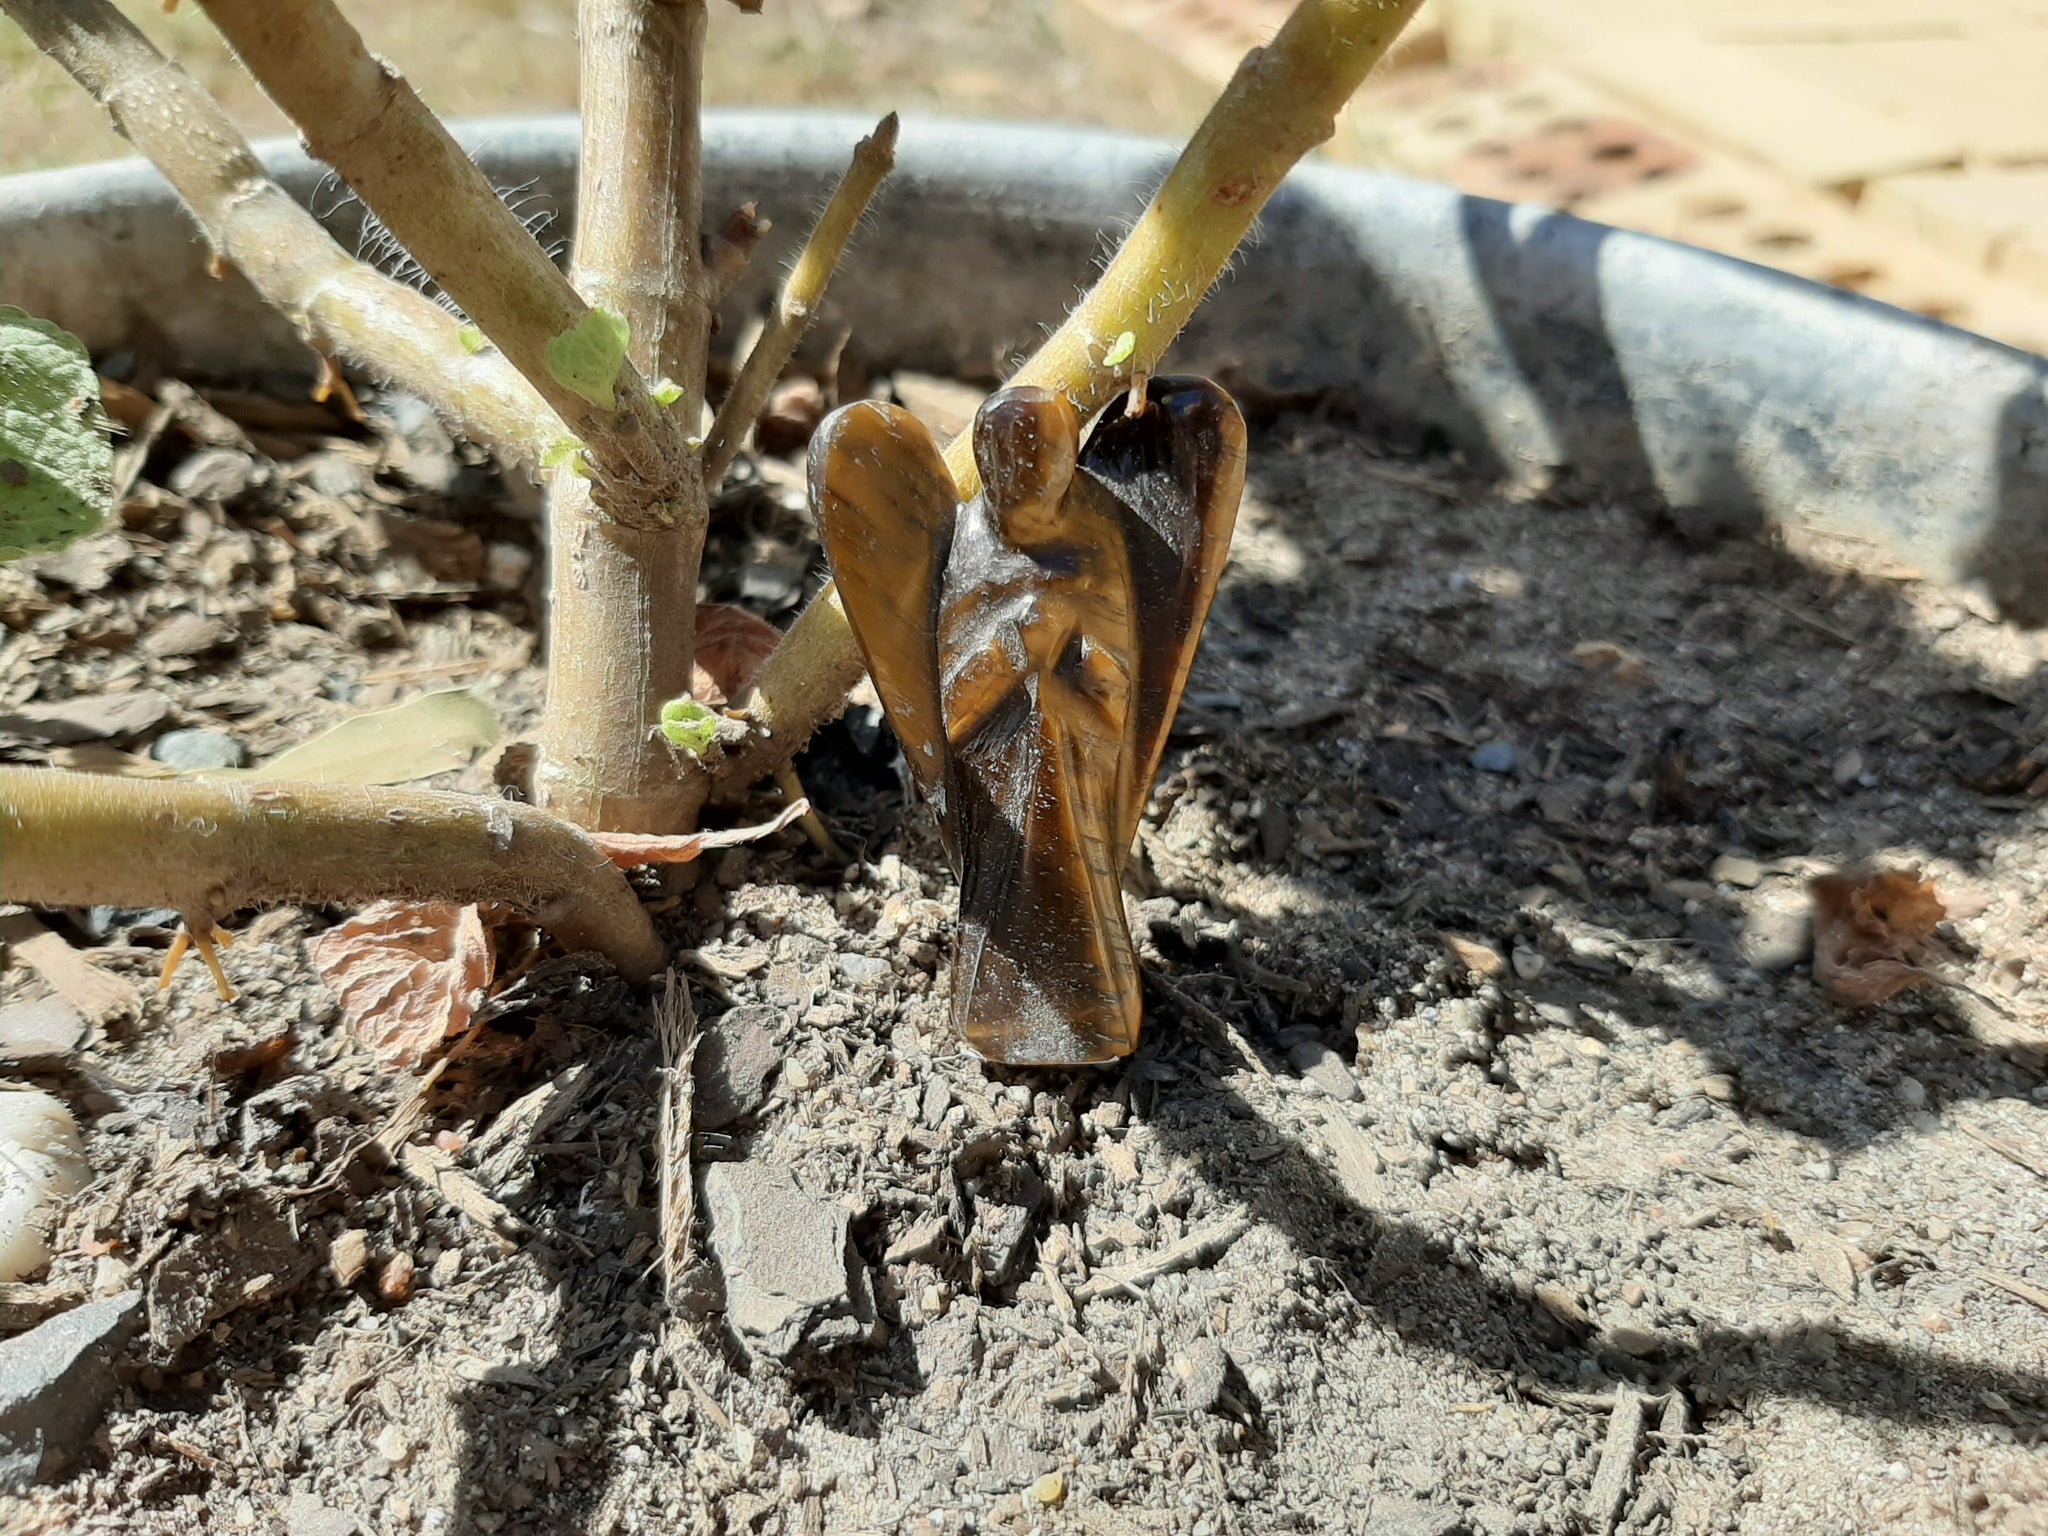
(207, 850)
(358, 114)
(1281, 103)
(802, 292)
(343, 307)
(622, 617)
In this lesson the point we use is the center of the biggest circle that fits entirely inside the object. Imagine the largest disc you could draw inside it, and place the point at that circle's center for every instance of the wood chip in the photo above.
(98, 996)
(1358, 1160)
(1617, 1470)
(436, 1172)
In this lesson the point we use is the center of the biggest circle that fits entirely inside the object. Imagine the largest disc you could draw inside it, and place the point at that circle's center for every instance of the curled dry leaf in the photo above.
(409, 974)
(629, 849)
(1873, 934)
(731, 645)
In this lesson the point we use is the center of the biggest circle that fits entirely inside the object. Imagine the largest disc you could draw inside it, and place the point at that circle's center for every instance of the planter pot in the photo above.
(1543, 346)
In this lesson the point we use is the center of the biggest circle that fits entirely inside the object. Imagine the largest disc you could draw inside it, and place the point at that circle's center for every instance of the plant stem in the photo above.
(622, 610)
(210, 849)
(358, 114)
(1281, 103)
(342, 306)
(802, 292)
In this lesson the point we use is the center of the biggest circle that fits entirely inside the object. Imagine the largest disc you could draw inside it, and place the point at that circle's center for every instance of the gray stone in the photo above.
(1494, 757)
(1394, 1515)
(55, 1383)
(938, 1098)
(1776, 935)
(794, 1283)
(187, 634)
(1001, 1241)
(864, 973)
(103, 717)
(1325, 1068)
(252, 1256)
(196, 751)
(39, 1032)
(310, 1515)
(1203, 1369)
(213, 474)
(1736, 869)
(737, 1059)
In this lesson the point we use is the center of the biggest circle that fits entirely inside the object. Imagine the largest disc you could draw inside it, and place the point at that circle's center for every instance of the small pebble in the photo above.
(1050, 1490)
(395, 1279)
(1633, 1339)
(1633, 1294)
(1529, 963)
(1494, 757)
(393, 1444)
(1719, 1087)
(198, 751)
(1592, 1049)
(447, 1269)
(349, 1256)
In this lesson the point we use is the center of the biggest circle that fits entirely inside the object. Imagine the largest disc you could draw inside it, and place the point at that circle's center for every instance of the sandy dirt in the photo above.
(1602, 1217)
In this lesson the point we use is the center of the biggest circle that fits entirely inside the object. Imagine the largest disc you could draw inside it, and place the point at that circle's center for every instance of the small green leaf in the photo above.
(689, 725)
(414, 740)
(666, 392)
(588, 356)
(56, 459)
(565, 453)
(1121, 351)
(471, 338)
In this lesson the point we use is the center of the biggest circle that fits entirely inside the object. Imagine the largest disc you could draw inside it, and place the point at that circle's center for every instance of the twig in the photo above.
(2012, 1285)
(81, 840)
(676, 1026)
(2006, 1150)
(342, 305)
(1281, 103)
(358, 114)
(1201, 1013)
(1197, 1250)
(802, 292)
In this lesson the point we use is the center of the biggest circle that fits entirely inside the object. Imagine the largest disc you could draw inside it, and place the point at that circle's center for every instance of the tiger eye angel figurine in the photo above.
(1030, 649)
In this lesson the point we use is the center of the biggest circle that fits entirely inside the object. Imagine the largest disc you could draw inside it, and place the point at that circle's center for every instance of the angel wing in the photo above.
(886, 507)
(1176, 471)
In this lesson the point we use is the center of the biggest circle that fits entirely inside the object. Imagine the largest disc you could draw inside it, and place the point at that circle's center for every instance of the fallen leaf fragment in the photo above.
(628, 849)
(731, 645)
(409, 974)
(1873, 934)
(414, 740)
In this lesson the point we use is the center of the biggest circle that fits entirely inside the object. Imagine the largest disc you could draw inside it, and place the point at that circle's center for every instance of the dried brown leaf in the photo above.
(628, 849)
(1873, 934)
(409, 974)
(731, 645)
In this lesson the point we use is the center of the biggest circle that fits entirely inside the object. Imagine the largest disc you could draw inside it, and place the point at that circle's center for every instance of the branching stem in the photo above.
(802, 292)
(341, 305)
(360, 116)
(210, 849)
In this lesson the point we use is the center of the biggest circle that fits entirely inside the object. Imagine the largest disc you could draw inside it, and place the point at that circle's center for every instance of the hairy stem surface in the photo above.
(802, 292)
(343, 307)
(359, 115)
(622, 625)
(1281, 103)
(210, 849)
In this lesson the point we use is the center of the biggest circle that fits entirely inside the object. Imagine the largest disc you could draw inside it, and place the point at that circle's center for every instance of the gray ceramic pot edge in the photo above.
(1542, 345)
